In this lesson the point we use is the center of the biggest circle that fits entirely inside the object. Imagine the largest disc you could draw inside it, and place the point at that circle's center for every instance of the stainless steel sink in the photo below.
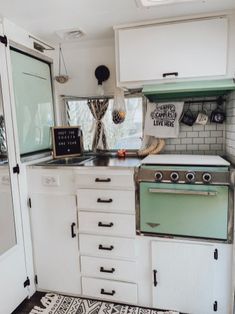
(68, 161)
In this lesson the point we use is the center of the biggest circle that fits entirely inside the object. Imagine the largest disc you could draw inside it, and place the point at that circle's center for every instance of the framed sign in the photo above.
(67, 141)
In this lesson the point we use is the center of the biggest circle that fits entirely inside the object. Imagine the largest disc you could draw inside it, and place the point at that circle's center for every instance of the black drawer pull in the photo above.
(106, 292)
(107, 248)
(101, 224)
(99, 200)
(102, 180)
(73, 234)
(103, 270)
(170, 74)
(155, 278)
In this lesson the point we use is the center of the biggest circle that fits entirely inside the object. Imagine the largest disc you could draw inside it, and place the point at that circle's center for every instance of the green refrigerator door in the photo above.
(184, 210)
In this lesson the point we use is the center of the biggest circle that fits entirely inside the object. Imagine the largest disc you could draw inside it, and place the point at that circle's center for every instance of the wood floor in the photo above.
(27, 305)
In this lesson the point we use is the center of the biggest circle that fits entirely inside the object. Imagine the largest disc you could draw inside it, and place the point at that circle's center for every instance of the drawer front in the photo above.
(106, 200)
(109, 247)
(105, 179)
(108, 269)
(107, 224)
(52, 181)
(110, 290)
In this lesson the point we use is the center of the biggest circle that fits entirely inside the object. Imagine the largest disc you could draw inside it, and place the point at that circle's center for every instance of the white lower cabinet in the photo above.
(184, 277)
(110, 290)
(55, 243)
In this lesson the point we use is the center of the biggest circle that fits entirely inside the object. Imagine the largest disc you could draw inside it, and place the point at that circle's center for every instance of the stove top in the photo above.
(192, 160)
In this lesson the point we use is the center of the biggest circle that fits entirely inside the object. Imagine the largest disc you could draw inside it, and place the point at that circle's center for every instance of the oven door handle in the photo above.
(182, 192)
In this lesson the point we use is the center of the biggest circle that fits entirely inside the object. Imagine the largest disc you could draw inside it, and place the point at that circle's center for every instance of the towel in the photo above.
(162, 119)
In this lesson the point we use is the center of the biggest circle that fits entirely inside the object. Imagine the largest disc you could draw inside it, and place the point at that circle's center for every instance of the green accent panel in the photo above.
(33, 101)
(188, 215)
(189, 89)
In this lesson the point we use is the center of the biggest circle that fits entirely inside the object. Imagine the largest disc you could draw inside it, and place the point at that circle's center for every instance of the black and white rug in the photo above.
(59, 304)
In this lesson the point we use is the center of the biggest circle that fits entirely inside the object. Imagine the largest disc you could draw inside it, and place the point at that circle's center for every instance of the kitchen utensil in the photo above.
(188, 118)
(202, 117)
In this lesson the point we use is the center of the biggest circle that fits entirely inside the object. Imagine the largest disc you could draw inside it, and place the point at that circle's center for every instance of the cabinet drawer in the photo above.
(110, 290)
(109, 247)
(107, 224)
(105, 179)
(106, 200)
(50, 181)
(108, 269)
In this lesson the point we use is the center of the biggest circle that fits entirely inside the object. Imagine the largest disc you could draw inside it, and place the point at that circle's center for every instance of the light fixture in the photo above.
(151, 3)
(72, 34)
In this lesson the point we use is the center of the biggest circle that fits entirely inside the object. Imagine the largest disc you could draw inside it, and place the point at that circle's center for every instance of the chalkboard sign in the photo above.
(67, 141)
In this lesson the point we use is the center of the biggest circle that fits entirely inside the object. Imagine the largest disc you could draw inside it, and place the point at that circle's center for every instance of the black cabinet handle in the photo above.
(73, 234)
(99, 200)
(170, 74)
(102, 180)
(106, 292)
(101, 224)
(103, 270)
(155, 278)
(107, 248)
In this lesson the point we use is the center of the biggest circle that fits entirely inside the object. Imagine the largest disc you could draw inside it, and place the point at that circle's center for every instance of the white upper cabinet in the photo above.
(187, 49)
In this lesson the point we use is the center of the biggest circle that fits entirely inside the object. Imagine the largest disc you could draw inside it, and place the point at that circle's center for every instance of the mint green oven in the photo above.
(184, 210)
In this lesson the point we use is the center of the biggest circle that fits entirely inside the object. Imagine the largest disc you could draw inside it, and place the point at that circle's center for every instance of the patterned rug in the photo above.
(59, 304)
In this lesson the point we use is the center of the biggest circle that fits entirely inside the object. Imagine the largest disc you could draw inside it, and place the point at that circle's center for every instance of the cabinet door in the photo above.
(184, 276)
(190, 48)
(55, 248)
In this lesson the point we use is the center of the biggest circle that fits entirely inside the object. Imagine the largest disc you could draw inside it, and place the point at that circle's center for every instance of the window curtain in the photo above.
(3, 147)
(98, 108)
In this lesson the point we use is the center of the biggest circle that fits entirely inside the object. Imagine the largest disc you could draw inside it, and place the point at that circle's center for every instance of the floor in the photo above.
(27, 305)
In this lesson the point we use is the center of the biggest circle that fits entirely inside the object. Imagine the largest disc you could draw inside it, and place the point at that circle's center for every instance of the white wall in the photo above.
(81, 60)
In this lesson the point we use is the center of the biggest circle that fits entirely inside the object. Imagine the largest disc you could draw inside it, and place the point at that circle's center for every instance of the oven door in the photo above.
(184, 210)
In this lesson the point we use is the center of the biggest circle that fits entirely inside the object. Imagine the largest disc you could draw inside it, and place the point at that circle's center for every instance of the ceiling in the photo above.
(94, 17)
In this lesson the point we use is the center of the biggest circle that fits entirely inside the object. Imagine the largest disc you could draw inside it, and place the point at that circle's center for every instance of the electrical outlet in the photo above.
(50, 180)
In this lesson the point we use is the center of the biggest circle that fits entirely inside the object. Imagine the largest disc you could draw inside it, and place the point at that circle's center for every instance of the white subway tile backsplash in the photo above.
(216, 147)
(198, 140)
(181, 147)
(216, 133)
(203, 139)
(198, 127)
(192, 134)
(204, 134)
(187, 140)
(192, 147)
(210, 140)
(204, 147)
(210, 127)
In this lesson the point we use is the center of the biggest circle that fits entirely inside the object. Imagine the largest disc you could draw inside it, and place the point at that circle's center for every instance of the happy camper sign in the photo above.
(162, 119)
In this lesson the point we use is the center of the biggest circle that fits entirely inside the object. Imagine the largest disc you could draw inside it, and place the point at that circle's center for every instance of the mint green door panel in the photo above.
(33, 101)
(184, 209)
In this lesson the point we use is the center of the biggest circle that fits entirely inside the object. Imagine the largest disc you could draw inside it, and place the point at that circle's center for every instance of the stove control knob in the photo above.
(158, 176)
(206, 177)
(174, 176)
(190, 177)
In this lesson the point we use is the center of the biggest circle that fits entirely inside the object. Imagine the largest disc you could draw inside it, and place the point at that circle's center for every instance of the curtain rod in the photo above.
(99, 97)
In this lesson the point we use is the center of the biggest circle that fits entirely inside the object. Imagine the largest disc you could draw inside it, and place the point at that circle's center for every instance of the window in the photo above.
(126, 135)
(33, 101)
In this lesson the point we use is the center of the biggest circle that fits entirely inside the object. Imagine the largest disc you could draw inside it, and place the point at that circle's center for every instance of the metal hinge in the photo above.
(3, 40)
(216, 254)
(30, 202)
(16, 169)
(215, 306)
(36, 279)
(27, 282)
